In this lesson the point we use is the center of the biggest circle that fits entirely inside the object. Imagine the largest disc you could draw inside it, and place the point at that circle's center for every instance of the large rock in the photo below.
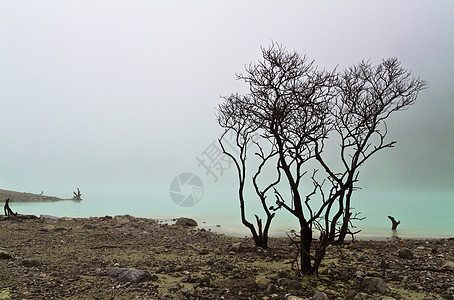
(186, 222)
(405, 253)
(129, 275)
(376, 283)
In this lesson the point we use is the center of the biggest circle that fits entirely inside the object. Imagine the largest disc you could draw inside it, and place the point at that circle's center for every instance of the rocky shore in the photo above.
(123, 257)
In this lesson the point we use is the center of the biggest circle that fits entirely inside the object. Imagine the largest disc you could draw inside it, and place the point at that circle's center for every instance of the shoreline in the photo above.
(236, 229)
(72, 258)
(375, 228)
(277, 231)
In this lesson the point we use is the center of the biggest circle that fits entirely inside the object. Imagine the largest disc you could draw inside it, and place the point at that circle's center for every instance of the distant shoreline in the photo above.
(27, 197)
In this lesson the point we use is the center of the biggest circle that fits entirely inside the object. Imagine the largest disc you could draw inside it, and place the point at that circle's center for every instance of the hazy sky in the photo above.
(105, 95)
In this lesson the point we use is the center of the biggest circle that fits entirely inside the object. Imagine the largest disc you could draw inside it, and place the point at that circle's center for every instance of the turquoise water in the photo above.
(422, 215)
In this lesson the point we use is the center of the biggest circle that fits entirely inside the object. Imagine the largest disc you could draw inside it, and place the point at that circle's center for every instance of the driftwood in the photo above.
(395, 223)
(77, 196)
(7, 209)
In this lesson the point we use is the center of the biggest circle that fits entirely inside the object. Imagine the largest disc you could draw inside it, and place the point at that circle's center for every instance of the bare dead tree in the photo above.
(287, 106)
(235, 117)
(292, 107)
(366, 96)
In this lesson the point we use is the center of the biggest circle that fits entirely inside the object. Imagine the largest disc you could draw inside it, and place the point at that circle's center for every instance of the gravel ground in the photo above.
(81, 258)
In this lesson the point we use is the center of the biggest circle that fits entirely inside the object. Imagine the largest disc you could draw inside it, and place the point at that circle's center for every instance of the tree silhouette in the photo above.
(290, 111)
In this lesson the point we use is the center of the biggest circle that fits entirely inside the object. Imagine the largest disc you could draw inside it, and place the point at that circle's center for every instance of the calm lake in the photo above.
(422, 215)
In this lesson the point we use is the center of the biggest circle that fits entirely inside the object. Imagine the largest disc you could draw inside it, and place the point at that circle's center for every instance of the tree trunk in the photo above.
(319, 255)
(344, 228)
(305, 249)
(346, 221)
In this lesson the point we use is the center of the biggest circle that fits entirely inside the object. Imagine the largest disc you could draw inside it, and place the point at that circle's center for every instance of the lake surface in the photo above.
(422, 215)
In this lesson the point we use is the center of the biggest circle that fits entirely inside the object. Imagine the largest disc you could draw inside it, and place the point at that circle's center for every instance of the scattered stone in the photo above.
(204, 281)
(405, 253)
(351, 294)
(318, 295)
(448, 265)
(282, 273)
(174, 288)
(29, 263)
(384, 264)
(185, 222)
(361, 296)
(48, 228)
(376, 283)
(343, 275)
(271, 288)
(359, 274)
(129, 275)
(154, 277)
(172, 252)
(262, 282)
(122, 219)
(292, 284)
(236, 247)
(89, 226)
(49, 217)
(4, 255)
(203, 251)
